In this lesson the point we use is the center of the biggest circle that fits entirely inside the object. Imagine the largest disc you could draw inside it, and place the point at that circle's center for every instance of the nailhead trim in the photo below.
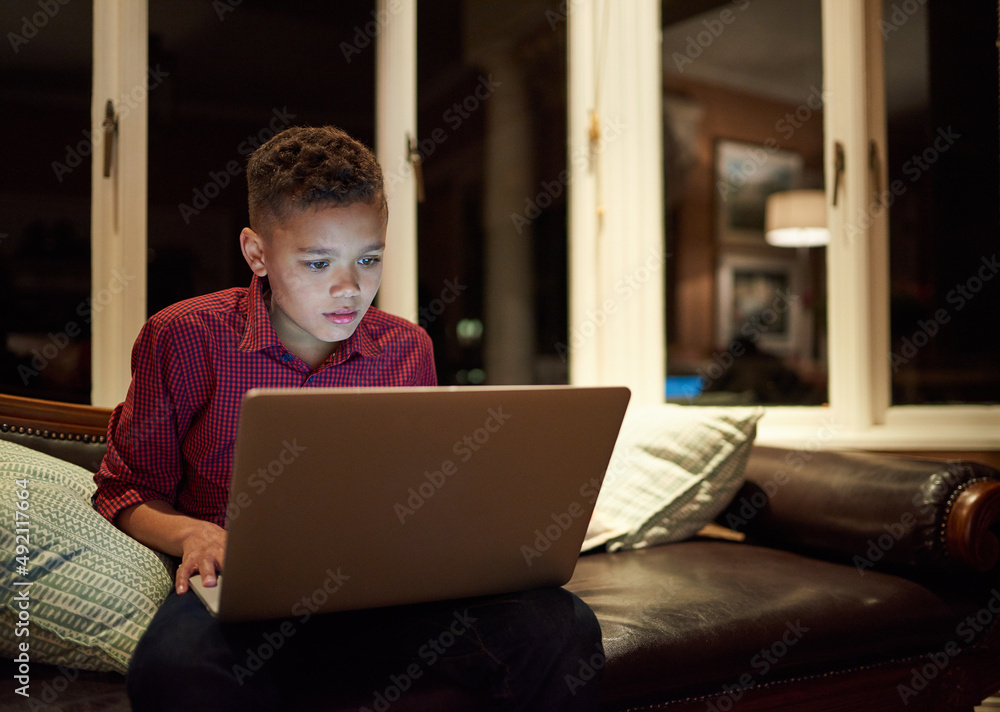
(55, 435)
(950, 504)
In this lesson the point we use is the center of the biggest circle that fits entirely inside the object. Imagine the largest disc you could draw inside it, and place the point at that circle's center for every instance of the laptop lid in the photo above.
(355, 498)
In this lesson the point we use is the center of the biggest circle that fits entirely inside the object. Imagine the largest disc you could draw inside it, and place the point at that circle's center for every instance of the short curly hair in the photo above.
(304, 166)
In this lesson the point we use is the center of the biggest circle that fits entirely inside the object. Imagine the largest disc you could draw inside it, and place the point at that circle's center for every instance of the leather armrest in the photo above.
(874, 510)
(970, 531)
(69, 431)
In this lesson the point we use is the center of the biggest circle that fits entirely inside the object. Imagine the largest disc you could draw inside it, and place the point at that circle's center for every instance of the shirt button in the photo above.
(286, 357)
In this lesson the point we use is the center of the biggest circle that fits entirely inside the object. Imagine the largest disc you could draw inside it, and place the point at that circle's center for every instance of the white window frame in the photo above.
(859, 414)
(118, 203)
(396, 125)
(616, 266)
(620, 195)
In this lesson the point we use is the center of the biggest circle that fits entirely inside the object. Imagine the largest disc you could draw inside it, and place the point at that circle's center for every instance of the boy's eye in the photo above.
(317, 264)
(370, 261)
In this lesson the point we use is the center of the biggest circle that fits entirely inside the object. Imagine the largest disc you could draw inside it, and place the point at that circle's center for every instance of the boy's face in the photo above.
(324, 266)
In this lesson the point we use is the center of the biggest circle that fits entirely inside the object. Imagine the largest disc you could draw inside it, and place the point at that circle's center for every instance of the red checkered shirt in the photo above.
(172, 438)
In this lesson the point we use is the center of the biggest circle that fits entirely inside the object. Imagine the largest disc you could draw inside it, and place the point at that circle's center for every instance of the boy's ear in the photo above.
(252, 245)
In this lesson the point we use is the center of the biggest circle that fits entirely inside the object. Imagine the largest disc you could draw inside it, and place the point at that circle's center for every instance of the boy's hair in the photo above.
(304, 166)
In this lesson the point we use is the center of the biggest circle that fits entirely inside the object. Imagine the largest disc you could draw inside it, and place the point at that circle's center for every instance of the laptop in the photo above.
(352, 498)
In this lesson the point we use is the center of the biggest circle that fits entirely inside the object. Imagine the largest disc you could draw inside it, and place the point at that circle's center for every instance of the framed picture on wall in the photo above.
(759, 301)
(745, 174)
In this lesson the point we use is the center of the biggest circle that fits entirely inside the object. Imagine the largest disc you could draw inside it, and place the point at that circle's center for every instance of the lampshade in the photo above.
(796, 218)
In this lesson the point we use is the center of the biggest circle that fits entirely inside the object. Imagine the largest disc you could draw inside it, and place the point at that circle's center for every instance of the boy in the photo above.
(315, 244)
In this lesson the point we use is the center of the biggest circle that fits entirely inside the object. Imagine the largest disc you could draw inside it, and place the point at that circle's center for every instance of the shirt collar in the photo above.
(361, 342)
(259, 334)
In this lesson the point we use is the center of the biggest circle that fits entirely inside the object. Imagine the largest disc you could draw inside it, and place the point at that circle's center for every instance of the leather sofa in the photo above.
(833, 581)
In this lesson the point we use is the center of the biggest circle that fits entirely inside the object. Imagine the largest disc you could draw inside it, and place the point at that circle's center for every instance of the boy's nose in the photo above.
(345, 284)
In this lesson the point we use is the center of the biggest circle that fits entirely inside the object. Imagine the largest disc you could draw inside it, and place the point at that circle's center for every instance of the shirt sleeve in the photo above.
(143, 460)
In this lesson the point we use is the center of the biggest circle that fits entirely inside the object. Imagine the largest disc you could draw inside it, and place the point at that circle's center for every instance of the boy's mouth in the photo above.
(341, 316)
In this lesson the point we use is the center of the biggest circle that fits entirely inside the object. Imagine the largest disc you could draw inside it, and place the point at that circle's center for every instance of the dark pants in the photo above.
(534, 650)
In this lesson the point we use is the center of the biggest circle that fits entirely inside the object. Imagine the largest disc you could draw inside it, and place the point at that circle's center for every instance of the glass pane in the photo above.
(492, 125)
(944, 215)
(45, 90)
(231, 74)
(743, 119)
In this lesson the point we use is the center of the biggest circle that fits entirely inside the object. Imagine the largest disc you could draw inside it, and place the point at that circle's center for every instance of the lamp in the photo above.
(796, 218)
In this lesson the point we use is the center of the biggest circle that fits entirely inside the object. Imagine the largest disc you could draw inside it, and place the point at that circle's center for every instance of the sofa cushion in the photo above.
(673, 469)
(712, 618)
(92, 589)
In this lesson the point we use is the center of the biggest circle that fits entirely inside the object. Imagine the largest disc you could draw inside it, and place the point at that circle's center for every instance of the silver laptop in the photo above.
(344, 499)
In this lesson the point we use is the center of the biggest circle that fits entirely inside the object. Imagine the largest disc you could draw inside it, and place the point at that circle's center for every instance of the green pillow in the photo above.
(93, 589)
(673, 470)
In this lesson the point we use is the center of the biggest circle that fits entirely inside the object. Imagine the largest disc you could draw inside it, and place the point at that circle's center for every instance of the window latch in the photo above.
(110, 126)
(838, 168)
(418, 169)
(875, 170)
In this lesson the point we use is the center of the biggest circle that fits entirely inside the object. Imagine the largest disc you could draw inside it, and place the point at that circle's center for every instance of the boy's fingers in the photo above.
(207, 571)
(183, 574)
(186, 570)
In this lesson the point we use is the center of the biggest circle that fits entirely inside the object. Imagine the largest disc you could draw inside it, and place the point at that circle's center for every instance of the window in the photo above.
(743, 107)
(491, 118)
(45, 325)
(609, 162)
(944, 217)
(859, 411)
(229, 76)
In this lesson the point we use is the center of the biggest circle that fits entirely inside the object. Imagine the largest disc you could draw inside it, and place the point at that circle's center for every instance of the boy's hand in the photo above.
(200, 545)
(204, 551)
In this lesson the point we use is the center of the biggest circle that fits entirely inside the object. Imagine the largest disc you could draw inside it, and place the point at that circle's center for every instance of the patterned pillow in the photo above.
(83, 590)
(673, 469)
